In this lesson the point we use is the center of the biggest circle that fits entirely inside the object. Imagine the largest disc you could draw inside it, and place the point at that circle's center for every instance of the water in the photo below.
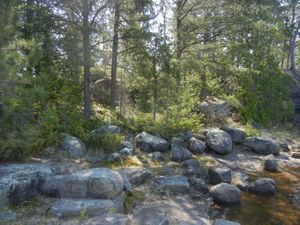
(273, 210)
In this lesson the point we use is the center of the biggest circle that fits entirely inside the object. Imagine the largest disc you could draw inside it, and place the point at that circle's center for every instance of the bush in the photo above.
(106, 142)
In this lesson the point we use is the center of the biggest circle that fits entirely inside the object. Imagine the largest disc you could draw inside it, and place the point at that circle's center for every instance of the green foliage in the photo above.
(131, 201)
(83, 215)
(107, 142)
(251, 131)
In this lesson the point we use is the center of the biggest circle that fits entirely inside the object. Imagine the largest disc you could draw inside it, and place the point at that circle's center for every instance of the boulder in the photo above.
(215, 109)
(157, 156)
(179, 142)
(225, 222)
(237, 135)
(199, 184)
(180, 154)
(6, 217)
(72, 147)
(136, 175)
(262, 145)
(100, 183)
(190, 163)
(126, 144)
(65, 207)
(127, 188)
(218, 141)
(174, 184)
(295, 155)
(150, 143)
(199, 172)
(20, 182)
(219, 174)
(270, 163)
(196, 146)
(108, 219)
(225, 193)
(107, 129)
(263, 186)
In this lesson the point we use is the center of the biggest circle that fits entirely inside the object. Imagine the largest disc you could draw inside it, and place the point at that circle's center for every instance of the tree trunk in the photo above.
(86, 61)
(293, 46)
(178, 41)
(155, 95)
(114, 62)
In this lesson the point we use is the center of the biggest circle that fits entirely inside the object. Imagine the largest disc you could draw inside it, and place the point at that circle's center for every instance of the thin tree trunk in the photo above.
(178, 41)
(293, 46)
(155, 95)
(86, 61)
(114, 62)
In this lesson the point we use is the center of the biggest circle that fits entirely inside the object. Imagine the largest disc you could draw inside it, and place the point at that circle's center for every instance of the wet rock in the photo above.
(263, 186)
(109, 219)
(219, 174)
(196, 146)
(180, 154)
(219, 141)
(262, 145)
(225, 193)
(295, 155)
(157, 156)
(225, 222)
(150, 143)
(240, 180)
(237, 135)
(179, 142)
(65, 207)
(174, 184)
(92, 183)
(136, 175)
(72, 147)
(270, 163)
(107, 129)
(199, 185)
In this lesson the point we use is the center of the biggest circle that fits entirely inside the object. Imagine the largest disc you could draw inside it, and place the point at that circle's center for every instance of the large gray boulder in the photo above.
(219, 174)
(263, 186)
(174, 184)
(99, 183)
(157, 157)
(225, 193)
(179, 153)
(136, 175)
(66, 207)
(107, 129)
(20, 182)
(179, 141)
(196, 146)
(150, 143)
(262, 145)
(72, 147)
(237, 135)
(218, 141)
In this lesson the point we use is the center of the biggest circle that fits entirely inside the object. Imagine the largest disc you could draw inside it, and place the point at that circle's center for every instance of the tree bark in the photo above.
(114, 62)
(86, 61)
(293, 46)
(178, 41)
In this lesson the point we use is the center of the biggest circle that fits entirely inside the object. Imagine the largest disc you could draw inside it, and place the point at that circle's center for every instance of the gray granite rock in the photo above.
(218, 141)
(263, 186)
(150, 143)
(174, 184)
(219, 174)
(262, 145)
(136, 175)
(180, 154)
(72, 147)
(225, 193)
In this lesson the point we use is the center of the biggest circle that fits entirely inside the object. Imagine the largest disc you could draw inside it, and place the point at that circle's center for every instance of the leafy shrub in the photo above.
(107, 142)
(251, 131)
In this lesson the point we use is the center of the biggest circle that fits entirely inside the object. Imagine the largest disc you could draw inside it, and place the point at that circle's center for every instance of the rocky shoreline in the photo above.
(182, 179)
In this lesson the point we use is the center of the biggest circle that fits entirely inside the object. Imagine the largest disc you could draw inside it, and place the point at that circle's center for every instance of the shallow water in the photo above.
(272, 210)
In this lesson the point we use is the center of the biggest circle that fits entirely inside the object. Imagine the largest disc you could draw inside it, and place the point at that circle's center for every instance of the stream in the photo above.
(280, 209)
